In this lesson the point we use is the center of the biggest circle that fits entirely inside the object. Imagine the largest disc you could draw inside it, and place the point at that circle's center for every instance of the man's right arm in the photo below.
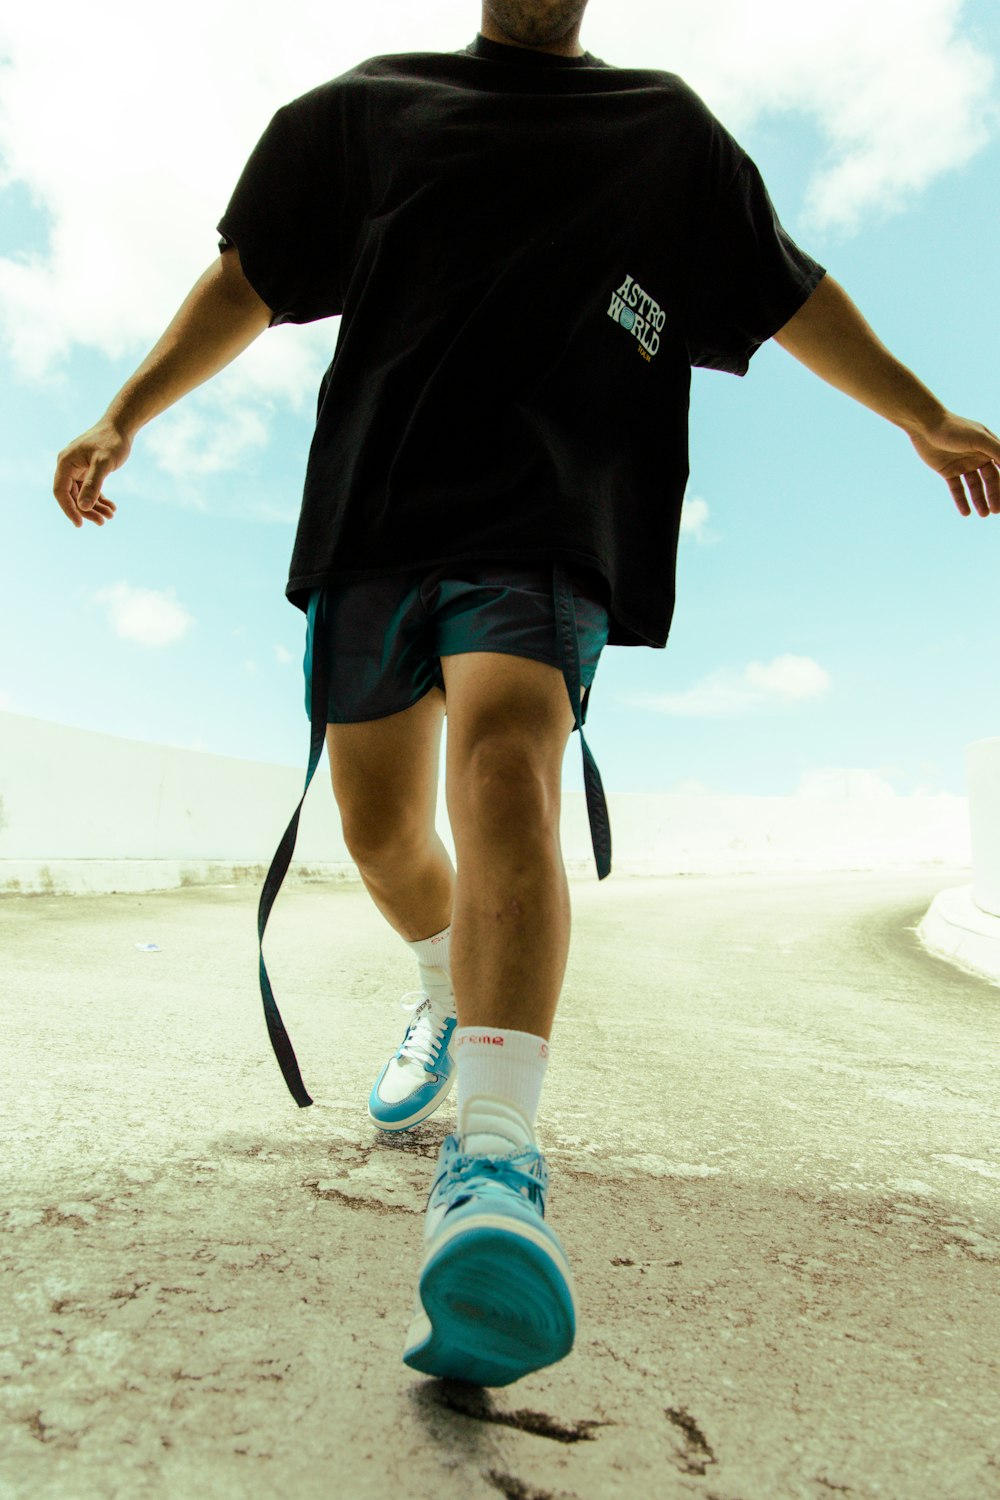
(219, 318)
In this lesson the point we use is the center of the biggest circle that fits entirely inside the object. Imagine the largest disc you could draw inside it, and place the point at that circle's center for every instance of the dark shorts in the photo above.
(387, 635)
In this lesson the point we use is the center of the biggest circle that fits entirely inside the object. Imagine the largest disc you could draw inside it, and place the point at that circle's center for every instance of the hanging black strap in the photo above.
(319, 690)
(569, 657)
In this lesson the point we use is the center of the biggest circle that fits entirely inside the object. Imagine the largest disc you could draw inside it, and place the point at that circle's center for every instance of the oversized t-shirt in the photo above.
(528, 253)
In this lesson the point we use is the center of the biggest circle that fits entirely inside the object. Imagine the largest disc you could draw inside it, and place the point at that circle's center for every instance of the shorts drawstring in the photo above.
(569, 658)
(319, 691)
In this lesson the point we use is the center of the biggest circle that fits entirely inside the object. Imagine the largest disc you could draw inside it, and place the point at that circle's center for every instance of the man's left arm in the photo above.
(829, 335)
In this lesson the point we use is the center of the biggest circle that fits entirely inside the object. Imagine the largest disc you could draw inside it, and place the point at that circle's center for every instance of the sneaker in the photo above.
(495, 1298)
(420, 1074)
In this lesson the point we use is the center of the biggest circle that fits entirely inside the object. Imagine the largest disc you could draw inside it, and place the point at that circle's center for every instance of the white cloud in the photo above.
(793, 678)
(132, 186)
(150, 617)
(724, 694)
(694, 521)
(284, 656)
(188, 441)
(897, 92)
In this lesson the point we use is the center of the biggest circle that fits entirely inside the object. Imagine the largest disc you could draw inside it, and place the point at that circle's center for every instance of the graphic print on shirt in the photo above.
(636, 312)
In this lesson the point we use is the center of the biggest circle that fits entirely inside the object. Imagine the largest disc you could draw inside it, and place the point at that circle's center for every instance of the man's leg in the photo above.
(511, 917)
(495, 1292)
(385, 778)
(508, 724)
(509, 721)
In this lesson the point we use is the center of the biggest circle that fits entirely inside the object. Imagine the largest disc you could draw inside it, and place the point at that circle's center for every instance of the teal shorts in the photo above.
(386, 635)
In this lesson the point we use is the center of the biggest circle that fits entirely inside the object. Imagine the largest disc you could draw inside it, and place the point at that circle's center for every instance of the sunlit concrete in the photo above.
(771, 1120)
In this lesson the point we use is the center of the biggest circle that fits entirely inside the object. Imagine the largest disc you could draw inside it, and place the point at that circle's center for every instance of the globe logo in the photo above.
(627, 319)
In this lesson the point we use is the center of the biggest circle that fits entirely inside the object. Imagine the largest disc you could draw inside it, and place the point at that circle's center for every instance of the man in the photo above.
(529, 248)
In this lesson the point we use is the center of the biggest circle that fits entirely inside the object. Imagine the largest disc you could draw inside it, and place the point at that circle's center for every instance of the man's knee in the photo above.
(505, 787)
(508, 724)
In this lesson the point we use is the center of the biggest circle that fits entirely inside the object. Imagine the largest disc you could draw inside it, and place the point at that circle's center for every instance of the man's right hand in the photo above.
(82, 468)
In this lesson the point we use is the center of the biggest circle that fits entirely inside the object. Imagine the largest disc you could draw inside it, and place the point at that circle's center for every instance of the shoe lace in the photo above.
(423, 1039)
(501, 1169)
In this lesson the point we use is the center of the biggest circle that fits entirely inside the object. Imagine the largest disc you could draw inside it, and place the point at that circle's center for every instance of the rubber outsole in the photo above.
(498, 1304)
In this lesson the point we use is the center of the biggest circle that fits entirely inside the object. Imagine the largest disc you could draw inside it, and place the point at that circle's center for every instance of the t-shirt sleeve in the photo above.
(283, 217)
(747, 276)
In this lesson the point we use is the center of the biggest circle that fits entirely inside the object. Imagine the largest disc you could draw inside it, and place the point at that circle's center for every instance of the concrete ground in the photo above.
(771, 1118)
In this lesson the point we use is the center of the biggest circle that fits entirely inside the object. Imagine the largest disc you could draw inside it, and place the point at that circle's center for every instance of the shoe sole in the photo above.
(421, 1114)
(498, 1303)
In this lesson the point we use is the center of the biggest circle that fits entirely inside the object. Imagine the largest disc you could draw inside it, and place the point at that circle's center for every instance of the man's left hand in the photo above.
(957, 450)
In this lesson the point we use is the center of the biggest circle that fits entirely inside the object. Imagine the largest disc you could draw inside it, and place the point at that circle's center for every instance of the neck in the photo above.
(569, 46)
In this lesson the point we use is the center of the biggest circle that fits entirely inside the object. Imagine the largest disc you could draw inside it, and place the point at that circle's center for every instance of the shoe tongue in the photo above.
(492, 1127)
(438, 988)
(484, 1143)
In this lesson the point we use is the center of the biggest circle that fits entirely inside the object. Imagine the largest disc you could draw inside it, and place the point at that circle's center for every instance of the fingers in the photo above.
(90, 494)
(102, 510)
(79, 501)
(976, 492)
(63, 485)
(958, 495)
(992, 473)
(984, 491)
(100, 513)
(82, 468)
(84, 501)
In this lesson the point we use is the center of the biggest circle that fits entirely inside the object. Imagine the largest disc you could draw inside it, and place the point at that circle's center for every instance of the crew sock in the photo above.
(500, 1076)
(434, 959)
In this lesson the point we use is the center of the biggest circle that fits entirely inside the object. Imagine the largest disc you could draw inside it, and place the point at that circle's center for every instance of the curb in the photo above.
(958, 930)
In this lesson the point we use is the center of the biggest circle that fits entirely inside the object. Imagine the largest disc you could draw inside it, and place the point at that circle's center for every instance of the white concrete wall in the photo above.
(81, 811)
(982, 761)
(94, 812)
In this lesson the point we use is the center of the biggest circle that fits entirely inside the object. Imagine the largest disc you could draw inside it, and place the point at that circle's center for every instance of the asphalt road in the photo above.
(771, 1120)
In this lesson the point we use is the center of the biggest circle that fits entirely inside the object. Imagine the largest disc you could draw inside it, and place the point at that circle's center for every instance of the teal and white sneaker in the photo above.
(495, 1298)
(420, 1074)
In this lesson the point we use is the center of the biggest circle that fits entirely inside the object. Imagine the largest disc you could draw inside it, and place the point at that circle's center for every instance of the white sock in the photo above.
(500, 1076)
(434, 958)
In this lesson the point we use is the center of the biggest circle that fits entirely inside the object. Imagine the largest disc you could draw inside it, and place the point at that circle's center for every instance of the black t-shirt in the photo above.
(528, 253)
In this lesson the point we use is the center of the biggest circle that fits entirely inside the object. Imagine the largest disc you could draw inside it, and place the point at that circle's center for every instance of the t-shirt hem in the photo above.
(628, 630)
(305, 582)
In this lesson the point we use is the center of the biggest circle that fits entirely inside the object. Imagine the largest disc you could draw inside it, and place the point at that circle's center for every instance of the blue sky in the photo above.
(836, 615)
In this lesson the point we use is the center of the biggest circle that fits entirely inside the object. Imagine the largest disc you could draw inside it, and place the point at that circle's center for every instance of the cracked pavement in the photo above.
(771, 1120)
